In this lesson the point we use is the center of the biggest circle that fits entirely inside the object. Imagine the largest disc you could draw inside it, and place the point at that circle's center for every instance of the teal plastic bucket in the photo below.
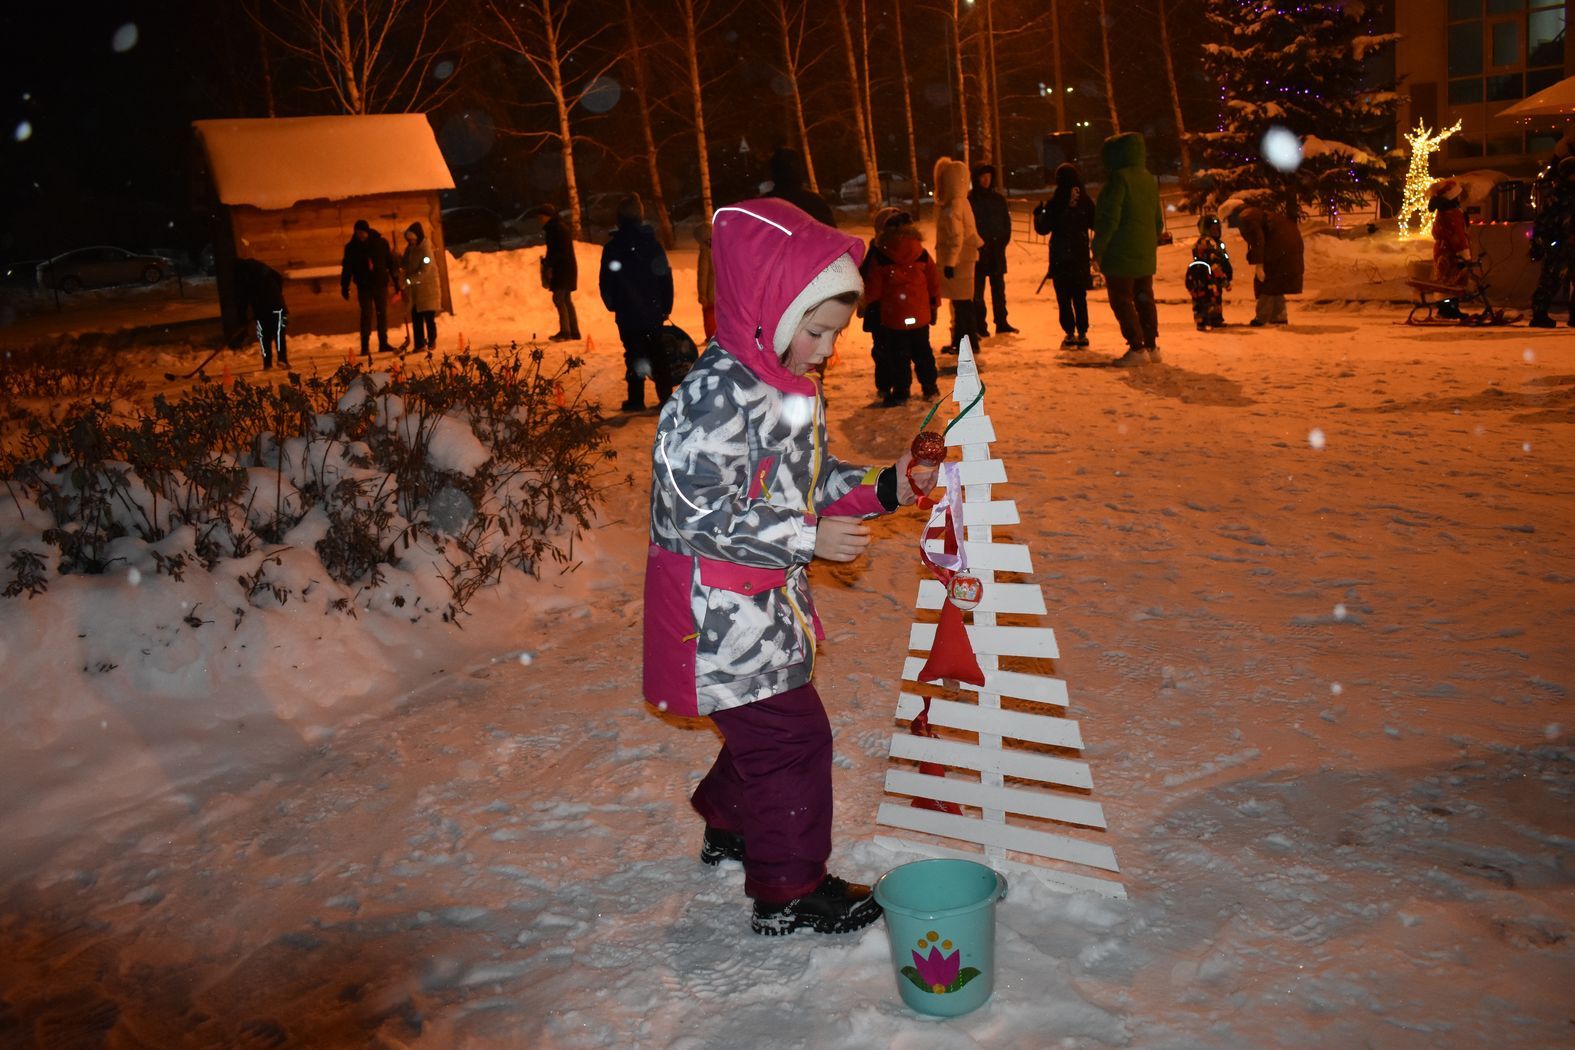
(940, 916)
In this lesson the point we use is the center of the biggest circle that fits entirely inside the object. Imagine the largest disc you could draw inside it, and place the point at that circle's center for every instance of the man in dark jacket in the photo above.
(787, 182)
(1274, 247)
(368, 263)
(1553, 241)
(993, 219)
(560, 272)
(637, 286)
(259, 289)
(1127, 225)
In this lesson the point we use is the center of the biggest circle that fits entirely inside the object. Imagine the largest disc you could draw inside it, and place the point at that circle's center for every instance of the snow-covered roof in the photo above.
(273, 164)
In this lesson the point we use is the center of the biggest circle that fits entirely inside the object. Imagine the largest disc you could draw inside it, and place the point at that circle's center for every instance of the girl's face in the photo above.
(816, 337)
(410, 238)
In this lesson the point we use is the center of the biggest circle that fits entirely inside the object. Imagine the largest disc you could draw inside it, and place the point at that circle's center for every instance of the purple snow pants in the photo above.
(771, 783)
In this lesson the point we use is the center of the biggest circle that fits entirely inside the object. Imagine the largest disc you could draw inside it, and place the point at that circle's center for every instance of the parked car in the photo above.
(893, 185)
(471, 225)
(21, 274)
(524, 230)
(100, 267)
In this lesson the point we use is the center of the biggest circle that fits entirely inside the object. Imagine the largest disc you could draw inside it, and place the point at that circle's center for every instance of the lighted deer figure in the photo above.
(1424, 144)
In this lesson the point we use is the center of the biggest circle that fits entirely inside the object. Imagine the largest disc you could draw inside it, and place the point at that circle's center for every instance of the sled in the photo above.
(1470, 297)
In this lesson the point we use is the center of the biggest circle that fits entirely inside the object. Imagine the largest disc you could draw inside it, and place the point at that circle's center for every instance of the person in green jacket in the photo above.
(1127, 226)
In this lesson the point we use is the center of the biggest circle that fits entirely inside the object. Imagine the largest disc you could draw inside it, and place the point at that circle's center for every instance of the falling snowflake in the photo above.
(1528, 355)
(1336, 688)
(133, 576)
(1315, 438)
(1339, 611)
(125, 38)
(23, 132)
(526, 659)
(1282, 149)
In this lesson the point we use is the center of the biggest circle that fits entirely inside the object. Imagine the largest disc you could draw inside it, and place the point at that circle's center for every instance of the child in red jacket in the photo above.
(902, 290)
(1451, 244)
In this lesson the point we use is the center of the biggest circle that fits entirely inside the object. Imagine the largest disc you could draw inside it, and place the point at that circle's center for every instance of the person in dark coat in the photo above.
(422, 284)
(637, 286)
(260, 290)
(368, 264)
(993, 219)
(1067, 218)
(787, 183)
(1127, 223)
(1274, 248)
(560, 272)
(1553, 241)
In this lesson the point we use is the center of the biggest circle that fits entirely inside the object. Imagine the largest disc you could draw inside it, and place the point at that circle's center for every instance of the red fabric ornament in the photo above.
(920, 726)
(951, 655)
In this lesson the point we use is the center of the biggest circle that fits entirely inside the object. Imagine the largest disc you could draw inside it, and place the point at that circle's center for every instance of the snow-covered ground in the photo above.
(1313, 589)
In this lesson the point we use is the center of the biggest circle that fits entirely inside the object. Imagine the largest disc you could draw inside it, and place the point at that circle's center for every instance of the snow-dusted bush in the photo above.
(468, 465)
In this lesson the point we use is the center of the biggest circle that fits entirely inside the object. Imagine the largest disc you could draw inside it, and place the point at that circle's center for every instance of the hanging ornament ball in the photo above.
(965, 591)
(929, 448)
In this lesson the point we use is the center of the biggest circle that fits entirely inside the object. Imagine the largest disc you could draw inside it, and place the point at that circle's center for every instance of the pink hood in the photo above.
(766, 251)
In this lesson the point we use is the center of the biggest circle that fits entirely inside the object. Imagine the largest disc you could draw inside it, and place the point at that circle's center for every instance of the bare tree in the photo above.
(366, 56)
(636, 58)
(790, 26)
(1110, 84)
(1175, 95)
(537, 31)
(907, 107)
(864, 62)
(999, 153)
(1060, 84)
(860, 116)
(962, 90)
(687, 11)
(987, 128)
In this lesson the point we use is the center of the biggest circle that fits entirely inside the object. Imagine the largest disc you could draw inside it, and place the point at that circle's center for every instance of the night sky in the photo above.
(98, 99)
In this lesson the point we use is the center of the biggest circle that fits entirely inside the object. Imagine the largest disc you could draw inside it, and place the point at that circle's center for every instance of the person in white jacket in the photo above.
(957, 244)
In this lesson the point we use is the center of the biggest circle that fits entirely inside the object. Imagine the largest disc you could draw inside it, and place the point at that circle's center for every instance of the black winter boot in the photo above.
(834, 906)
(1540, 319)
(719, 845)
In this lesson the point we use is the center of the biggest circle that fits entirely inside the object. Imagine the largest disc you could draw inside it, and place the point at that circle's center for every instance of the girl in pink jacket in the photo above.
(743, 496)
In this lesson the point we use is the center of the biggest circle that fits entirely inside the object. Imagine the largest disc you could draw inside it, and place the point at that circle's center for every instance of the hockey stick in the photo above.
(170, 377)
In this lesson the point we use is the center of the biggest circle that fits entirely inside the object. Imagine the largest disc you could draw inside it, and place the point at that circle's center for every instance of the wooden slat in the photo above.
(1007, 836)
(1012, 869)
(1024, 598)
(991, 512)
(981, 472)
(1008, 761)
(1037, 688)
(997, 557)
(993, 641)
(973, 429)
(1019, 725)
(1023, 801)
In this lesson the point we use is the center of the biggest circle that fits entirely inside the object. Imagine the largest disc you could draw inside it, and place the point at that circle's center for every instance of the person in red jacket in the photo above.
(1451, 245)
(903, 290)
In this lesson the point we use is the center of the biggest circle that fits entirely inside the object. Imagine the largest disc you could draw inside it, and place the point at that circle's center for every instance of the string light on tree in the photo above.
(1424, 143)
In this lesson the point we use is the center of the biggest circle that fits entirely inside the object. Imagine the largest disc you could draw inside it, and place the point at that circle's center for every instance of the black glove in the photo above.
(949, 272)
(344, 293)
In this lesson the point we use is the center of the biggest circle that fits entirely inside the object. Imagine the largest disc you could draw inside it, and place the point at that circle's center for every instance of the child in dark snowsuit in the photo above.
(902, 289)
(1553, 241)
(1209, 274)
(743, 496)
(260, 290)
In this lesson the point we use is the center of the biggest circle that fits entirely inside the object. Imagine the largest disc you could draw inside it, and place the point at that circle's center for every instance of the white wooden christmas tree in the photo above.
(1008, 746)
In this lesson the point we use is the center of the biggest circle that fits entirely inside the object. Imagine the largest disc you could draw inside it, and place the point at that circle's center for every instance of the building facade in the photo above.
(1467, 60)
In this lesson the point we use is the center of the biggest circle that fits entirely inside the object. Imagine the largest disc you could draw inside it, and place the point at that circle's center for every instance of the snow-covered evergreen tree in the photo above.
(1300, 65)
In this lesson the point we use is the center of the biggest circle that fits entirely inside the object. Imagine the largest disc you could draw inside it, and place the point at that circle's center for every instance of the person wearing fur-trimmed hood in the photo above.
(957, 244)
(422, 291)
(1274, 248)
(743, 496)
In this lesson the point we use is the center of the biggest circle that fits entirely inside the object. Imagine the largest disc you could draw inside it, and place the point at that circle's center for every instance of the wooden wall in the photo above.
(306, 244)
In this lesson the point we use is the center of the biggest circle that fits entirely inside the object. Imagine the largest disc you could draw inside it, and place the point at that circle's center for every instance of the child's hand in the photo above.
(923, 476)
(841, 539)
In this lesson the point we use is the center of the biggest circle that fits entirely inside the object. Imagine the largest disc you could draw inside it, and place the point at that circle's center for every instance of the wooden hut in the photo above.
(289, 192)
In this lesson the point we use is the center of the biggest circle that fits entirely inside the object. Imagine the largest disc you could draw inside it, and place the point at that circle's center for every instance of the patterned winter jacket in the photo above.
(740, 474)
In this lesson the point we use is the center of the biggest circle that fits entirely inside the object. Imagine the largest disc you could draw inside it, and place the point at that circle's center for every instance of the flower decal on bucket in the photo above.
(937, 972)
